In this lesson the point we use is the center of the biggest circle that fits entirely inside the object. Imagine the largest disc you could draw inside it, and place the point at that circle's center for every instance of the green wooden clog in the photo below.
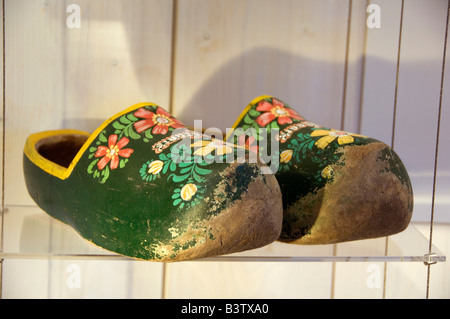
(336, 186)
(144, 186)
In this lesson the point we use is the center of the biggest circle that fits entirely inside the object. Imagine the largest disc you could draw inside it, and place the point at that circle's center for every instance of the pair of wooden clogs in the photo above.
(145, 186)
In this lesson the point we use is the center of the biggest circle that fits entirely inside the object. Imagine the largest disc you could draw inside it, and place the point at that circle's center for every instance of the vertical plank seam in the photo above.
(3, 150)
(333, 273)
(347, 49)
(394, 118)
(173, 51)
(397, 74)
(64, 71)
(164, 281)
(3, 126)
(1, 278)
(438, 128)
(363, 76)
(344, 98)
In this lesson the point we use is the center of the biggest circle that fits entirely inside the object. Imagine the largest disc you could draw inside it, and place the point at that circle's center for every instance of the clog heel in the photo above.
(144, 186)
(336, 186)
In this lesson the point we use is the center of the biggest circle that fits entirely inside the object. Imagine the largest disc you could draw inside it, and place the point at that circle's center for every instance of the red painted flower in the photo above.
(161, 121)
(112, 152)
(275, 110)
(248, 143)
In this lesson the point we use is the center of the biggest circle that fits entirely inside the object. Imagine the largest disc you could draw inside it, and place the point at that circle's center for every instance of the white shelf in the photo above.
(42, 237)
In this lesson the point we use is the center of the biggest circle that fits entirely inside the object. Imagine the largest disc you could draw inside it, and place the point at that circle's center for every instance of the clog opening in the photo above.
(61, 149)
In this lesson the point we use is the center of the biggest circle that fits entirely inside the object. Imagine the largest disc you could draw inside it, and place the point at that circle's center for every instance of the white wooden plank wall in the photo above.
(208, 64)
(229, 52)
(416, 103)
(61, 77)
(1, 162)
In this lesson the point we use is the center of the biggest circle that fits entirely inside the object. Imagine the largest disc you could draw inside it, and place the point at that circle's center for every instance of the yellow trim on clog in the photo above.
(56, 170)
(241, 116)
(46, 165)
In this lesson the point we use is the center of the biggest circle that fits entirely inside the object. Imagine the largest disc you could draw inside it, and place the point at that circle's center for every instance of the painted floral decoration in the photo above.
(205, 147)
(286, 156)
(187, 191)
(150, 170)
(111, 153)
(155, 167)
(160, 121)
(330, 135)
(249, 143)
(275, 110)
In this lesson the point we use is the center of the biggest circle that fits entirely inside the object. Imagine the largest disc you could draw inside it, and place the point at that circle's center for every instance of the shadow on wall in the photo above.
(315, 89)
(312, 87)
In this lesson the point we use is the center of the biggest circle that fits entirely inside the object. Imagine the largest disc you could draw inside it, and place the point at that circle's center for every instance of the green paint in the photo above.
(310, 156)
(119, 205)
